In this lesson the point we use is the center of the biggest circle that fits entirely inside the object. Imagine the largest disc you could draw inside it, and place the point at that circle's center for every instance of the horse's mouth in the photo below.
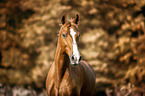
(74, 64)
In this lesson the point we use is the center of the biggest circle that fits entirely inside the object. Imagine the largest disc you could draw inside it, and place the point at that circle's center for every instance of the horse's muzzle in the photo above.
(75, 60)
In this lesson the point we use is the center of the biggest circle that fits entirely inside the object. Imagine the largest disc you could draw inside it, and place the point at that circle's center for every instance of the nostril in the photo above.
(80, 58)
(72, 57)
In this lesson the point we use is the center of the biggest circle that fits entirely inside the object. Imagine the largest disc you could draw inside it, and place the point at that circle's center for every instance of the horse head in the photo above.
(69, 36)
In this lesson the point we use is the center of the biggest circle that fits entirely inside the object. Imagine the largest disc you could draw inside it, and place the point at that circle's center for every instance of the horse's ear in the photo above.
(63, 18)
(77, 19)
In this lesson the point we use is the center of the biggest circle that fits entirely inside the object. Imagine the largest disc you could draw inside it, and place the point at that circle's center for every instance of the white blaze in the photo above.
(76, 53)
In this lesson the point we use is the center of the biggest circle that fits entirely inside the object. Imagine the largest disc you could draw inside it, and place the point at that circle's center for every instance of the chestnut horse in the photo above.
(69, 75)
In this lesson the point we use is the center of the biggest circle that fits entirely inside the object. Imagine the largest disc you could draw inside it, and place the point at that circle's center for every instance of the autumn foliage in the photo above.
(112, 41)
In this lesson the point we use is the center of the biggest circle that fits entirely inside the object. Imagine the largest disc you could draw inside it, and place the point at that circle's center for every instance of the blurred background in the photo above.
(112, 41)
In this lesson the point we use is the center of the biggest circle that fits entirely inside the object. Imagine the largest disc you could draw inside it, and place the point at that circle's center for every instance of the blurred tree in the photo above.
(112, 40)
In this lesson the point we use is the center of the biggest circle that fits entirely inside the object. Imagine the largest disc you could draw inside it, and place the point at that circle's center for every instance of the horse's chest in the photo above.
(68, 88)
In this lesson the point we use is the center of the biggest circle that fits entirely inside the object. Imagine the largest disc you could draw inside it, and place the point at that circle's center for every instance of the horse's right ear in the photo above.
(63, 18)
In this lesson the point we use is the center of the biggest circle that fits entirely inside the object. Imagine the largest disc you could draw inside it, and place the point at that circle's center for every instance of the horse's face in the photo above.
(69, 36)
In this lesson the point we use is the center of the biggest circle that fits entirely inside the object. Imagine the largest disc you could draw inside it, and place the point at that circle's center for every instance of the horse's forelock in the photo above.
(68, 23)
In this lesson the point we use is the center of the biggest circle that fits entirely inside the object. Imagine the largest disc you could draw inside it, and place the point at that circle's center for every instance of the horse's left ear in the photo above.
(77, 19)
(63, 18)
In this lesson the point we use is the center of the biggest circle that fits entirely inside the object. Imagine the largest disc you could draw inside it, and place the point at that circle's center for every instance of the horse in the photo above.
(69, 75)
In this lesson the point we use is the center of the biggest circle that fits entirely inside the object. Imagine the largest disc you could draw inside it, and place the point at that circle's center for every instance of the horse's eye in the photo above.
(64, 35)
(79, 35)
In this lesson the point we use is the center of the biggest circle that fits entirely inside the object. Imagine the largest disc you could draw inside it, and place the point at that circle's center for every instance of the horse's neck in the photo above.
(61, 64)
